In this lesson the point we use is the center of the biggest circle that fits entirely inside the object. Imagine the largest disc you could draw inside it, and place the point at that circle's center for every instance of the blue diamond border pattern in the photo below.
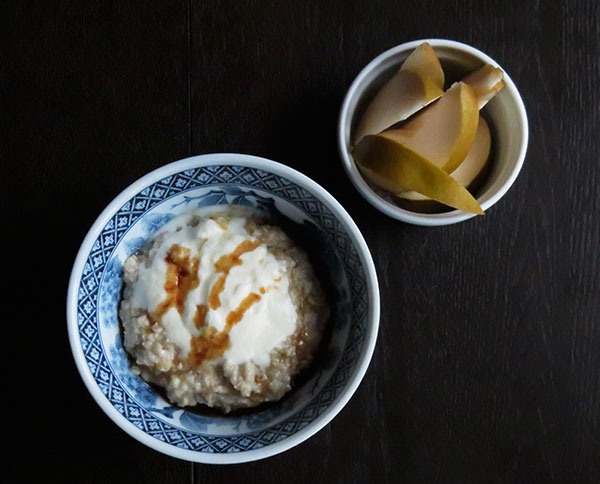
(111, 234)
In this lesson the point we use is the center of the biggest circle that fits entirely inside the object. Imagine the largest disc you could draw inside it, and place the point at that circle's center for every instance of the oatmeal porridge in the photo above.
(222, 310)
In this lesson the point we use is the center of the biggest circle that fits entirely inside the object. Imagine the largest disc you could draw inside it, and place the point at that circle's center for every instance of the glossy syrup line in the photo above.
(182, 277)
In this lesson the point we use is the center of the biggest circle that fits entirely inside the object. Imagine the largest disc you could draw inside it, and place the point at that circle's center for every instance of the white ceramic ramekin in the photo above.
(506, 113)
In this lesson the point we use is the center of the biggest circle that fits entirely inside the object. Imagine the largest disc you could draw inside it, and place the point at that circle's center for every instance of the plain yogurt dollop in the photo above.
(258, 277)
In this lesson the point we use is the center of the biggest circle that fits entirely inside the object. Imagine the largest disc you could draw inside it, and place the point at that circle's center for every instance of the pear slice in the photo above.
(395, 167)
(443, 132)
(486, 82)
(424, 62)
(473, 164)
(419, 81)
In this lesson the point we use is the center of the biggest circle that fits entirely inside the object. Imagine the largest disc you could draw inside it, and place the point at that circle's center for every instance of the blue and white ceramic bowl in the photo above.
(95, 288)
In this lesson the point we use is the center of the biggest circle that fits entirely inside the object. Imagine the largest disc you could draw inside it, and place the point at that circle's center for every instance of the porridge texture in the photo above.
(221, 310)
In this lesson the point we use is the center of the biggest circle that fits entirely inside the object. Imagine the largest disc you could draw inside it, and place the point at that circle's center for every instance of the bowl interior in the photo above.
(307, 219)
(504, 114)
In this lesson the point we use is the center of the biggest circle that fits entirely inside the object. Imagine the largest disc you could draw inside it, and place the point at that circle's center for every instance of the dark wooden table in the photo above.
(487, 367)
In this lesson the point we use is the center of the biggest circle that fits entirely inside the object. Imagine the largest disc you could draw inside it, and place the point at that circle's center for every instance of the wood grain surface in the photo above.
(487, 367)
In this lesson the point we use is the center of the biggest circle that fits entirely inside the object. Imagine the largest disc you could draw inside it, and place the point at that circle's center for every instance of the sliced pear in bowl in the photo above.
(474, 163)
(419, 82)
(486, 82)
(391, 165)
(444, 131)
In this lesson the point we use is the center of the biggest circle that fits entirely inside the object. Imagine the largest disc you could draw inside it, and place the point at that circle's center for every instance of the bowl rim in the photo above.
(226, 159)
(380, 203)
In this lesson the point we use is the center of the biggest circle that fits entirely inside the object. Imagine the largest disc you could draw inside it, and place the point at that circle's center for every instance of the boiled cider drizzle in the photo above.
(224, 265)
(182, 277)
(213, 343)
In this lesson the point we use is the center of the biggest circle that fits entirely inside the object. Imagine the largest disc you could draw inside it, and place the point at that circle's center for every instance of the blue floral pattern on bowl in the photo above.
(100, 287)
